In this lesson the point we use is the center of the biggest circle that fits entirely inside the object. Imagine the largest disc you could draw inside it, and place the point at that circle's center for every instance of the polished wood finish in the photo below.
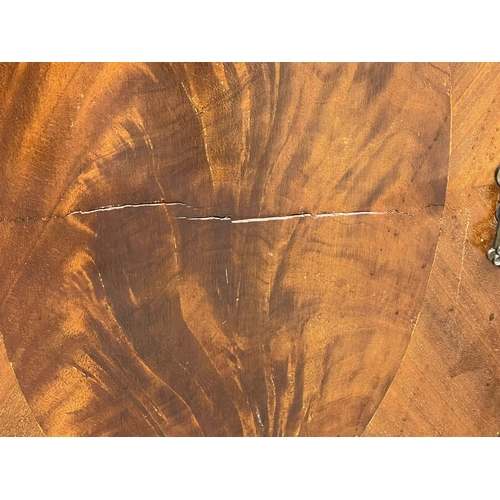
(449, 381)
(244, 249)
(16, 418)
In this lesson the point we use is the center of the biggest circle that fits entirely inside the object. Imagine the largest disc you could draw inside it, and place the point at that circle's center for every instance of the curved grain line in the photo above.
(136, 355)
(433, 259)
(2, 342)
(418, 317)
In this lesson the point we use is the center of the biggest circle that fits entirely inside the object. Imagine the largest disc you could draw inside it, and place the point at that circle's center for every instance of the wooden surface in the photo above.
(449, 381)
(248, 249)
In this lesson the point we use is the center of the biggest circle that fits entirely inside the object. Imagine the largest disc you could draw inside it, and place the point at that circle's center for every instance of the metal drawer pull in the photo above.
(494, 252)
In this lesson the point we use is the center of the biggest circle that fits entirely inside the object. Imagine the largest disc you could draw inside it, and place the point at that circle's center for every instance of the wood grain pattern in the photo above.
(449, 382)
(216, 249)
(16, 418)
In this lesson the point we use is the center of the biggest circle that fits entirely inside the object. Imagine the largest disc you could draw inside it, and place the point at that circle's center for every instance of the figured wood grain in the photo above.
(16, 418)
(449, 381)
(216, 249)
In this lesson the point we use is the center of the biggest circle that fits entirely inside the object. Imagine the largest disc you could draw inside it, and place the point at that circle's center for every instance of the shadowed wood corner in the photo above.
(248, 249)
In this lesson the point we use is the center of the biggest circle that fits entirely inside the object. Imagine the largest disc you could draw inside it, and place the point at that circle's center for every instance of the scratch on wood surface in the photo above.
(463, 256)
(106, 208)
(303, 215)
(283, 217)
(229, 218)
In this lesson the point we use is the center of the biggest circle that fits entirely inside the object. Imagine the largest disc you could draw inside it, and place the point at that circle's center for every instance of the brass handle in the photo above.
(493, 253)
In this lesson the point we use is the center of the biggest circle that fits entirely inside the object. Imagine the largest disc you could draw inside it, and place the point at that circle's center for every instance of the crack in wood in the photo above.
(227, 218)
